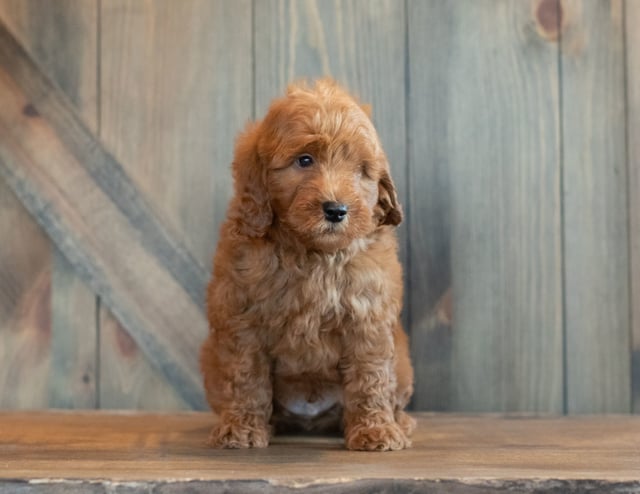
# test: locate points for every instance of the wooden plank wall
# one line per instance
(632, 52)
(595, 207)
(510, 130)
(172, 123)
(489, 163)
(48, 335)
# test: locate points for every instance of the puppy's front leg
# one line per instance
(238, 385)
(369, 382)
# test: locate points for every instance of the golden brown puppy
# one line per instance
(306, 294)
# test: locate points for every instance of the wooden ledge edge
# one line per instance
(396, 486)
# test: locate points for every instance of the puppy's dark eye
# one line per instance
(304, 161)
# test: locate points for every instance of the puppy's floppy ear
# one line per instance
(388, 201)
(250, 208)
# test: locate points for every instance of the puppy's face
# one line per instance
(326, 174)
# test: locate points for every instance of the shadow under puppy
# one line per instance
(305, 299)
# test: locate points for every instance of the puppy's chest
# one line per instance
(309, 299)
(308, 308)
(306, 328)
(312, 300)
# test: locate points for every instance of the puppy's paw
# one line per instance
(377, 437)
(406, 422)
(238, 435)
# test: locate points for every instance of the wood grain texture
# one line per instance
(167, 453)
(176, 87)
(595, 208)
(78, 192)
(61, 36)
(632, 44)
(360, 44)
(127, 379)
(431, 36)
(485, 207)
(25, 282)
(25, 307)
(378, 486)
(73, 374)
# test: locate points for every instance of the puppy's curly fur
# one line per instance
(306, 293)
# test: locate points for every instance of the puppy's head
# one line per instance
(315, 167)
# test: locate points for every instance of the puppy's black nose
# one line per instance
(334, 211)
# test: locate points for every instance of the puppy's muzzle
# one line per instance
(334, 211)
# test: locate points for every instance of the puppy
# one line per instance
(306, 293)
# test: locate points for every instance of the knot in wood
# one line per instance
(548, 18)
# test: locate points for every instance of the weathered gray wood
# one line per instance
(632, 44)
(25, 307)
(361, 44)
(158, 239)
(62, 37)
(451, 454)
(73, 374)
(176, 88)
(386, 486)
(485, 207)
(431, 34)
(83, 199)
(25, 300)
(595, 208)
(128, 379)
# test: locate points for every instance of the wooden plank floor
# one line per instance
(125, 453)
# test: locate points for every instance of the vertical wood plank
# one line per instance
(485, 206)
(62, 38)
(25, 307)
(176, 87)
(131, 381)
(361, 45)
(595, 208)
(632, 44)
(74, 351)
(430, 40)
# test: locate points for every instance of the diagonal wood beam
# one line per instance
(83, 199)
